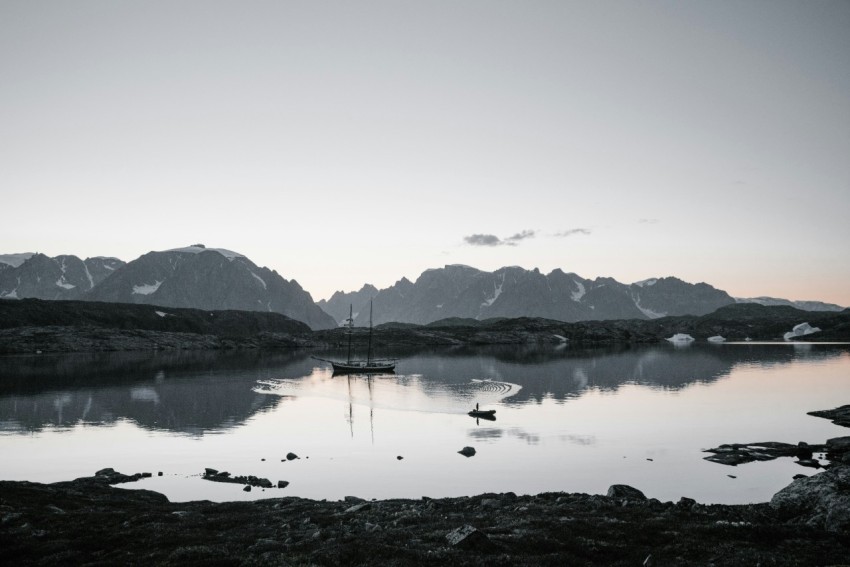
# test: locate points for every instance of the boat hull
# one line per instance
(483, 413)
(340, 367)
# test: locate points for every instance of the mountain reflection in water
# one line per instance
(566, 419)
(200, 392)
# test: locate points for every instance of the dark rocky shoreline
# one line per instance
(88, 521)
(38, 326)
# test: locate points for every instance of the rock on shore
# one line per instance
(87, 521)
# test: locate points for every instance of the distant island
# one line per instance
(34, 325)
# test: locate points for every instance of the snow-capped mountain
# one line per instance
(462, 291)
(42, 277)
(804, 305)
(209, 278)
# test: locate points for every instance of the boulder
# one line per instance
(358, 507)
(291, 456)
(821, 501)
(838, 445)
(685, 502)
(467, 451)
(282, 483)
(626, 492)
(468, 537)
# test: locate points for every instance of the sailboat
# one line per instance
(369, 365)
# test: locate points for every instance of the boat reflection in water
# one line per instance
(369, 365)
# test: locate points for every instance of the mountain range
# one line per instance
(458, 291)
(219, 279)
(465, 292)
(192, 277)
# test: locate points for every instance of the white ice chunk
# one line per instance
(716, 339)
(144, 394)
(680, 338)
(799, 331)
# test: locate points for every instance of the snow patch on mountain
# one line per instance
(577, 295)
(259, 279)
(648, 312)
(146, 289)
(198, 248)
(62, 283)
(10, 295)
(646, 283)
(497, 291)
(88, 275)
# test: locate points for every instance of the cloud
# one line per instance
(572, 231)
(512, 240)
(493, 240)
(483, 240)
(648, 221)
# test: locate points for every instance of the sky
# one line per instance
(341, 143)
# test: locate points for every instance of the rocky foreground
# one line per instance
(89, 522)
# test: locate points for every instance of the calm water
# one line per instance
(567, 420)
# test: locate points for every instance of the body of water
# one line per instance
(566, 420)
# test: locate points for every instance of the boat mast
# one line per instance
(350, 331)
(369, 350)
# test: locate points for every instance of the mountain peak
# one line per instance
(15, 260)
(198, 248)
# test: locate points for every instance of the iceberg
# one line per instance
(680, 338)
(800, 330)
(716, 339)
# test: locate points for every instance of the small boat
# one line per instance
(369, 365)
(490, 413)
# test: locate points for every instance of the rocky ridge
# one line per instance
(89, 521)
(33, 325)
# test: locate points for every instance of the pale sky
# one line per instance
(350, 142)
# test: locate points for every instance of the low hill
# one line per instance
(129, 316)
(31, 325)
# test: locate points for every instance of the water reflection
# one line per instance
(191, 393)
(202, 392)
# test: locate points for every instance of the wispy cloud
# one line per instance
(493, 240)
(648, 221)
(512, 240)
(572, 232)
